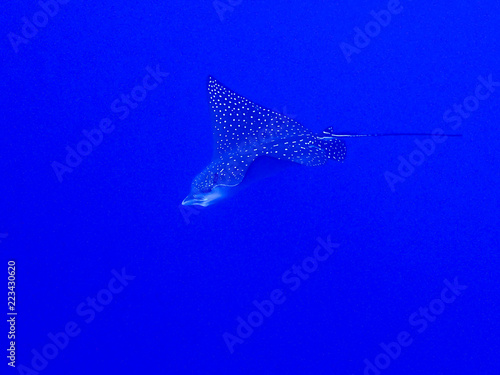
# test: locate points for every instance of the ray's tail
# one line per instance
(328, 132)
(335, 147)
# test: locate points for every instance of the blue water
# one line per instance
(386, 263)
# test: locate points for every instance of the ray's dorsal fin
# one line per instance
(237, 120)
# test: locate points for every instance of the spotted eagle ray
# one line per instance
(244, 130)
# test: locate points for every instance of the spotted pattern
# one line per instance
(244, 130)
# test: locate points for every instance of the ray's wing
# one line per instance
(237, 120)
(302, 150)
(242, 126)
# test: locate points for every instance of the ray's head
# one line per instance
(206, 188)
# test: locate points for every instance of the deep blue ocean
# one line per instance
(386, 263)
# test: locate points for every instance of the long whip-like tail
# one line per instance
(389, 134)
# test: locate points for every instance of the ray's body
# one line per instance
(244, 131)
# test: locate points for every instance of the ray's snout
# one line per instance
(192, 201)
(203, 199)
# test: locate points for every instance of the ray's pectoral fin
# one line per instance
(309, 150)
(303, 152)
